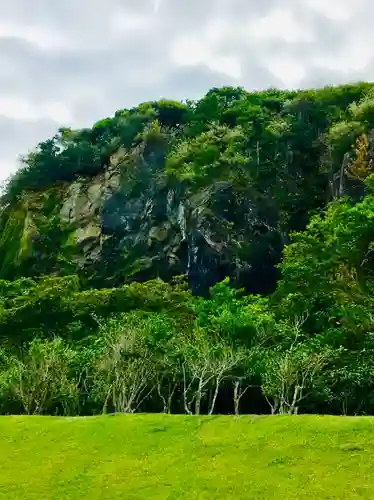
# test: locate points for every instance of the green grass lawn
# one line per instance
(172, 457)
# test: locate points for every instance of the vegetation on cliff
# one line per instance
(197, 257)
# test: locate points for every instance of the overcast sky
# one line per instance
(72, 62)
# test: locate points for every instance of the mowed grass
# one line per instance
(180, 457)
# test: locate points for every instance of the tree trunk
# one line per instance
(218, 381)
(186, 408)
(199, 395)
(198, 402)
(159, 391)
(105, 407)
(236, 397)
(296, 398)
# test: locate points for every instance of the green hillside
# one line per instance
(180, 457)
(206, 257)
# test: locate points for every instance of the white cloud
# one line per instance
(281, 23)
(289, 70)
(192, 50)
(130, 22)
(189, 50)
(75, 62)
(336, 10)
(22, 109)
(44, 38)
(6, 166)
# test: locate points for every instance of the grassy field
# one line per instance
(179, 457)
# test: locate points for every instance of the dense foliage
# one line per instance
(198, 257)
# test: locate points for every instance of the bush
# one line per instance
(41, 378)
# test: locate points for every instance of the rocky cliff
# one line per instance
(109, 235)
(205, 190)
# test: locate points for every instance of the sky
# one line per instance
(73, 62)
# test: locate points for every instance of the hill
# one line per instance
(204, 189)
(177, 457)
(200, 257)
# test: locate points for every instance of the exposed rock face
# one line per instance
(114, 233)
(84, 199)
(165, 232)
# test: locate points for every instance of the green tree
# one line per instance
(41, 379)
